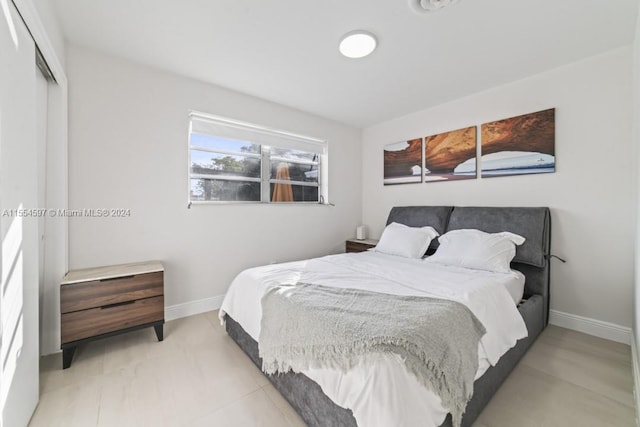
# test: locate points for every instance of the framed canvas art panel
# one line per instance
(451, 155)
(403, 162)
(519, 145)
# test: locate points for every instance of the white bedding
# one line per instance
(379, 391)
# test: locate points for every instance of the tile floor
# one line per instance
(198, 377)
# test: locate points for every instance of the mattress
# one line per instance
(379, 391)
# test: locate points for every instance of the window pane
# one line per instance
(301, 193)
(224, 191)
(236, 161)
(294, 171)
(224, 164)
(294, 154)
(219, 143)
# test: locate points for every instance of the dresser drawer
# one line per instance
(96, 321)
(98, 293)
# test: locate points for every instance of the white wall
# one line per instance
(590, 194)
(636, 142)
(128, 128)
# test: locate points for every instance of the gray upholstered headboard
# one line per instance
(534, 224)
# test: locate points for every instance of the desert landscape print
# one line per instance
(403, 162)
(451, 155)
(519, 145)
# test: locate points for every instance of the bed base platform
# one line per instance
(317, 410)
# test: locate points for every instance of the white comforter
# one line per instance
(379, 391)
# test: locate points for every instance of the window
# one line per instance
(232, 161)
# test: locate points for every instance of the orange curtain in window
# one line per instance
(282, 192)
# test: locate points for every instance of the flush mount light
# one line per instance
(358, 44)
(423, 6)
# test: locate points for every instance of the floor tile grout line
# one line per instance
(603, 358)
(579, 386)
(596, 362)
(238, 399)
(282, 412)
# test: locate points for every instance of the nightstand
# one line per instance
(355, 245)
(104, 301)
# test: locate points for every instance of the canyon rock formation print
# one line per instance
(519, 145)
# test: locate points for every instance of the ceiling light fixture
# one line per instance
(424, 6)
(358, 44)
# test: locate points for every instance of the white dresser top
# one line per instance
(111, 271)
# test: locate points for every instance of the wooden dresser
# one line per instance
(104, 301)
(355, 245)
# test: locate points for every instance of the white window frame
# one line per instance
(266, 138)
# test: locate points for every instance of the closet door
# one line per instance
(18, 225)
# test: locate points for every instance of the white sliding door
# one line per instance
(18, 233)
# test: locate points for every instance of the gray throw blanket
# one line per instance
(312, 326)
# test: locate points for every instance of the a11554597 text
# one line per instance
(67, 213)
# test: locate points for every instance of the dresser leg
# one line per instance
(159, 332)
(67, 356)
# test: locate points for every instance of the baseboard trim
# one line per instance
(190, 308)
(598, 328)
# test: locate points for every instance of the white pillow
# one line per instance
(401, 240)
(477, 249)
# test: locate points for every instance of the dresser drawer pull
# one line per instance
(118, 304)
(117, 278)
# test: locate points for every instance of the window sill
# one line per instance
(224, 203)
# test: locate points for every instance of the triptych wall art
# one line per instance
(515, 146)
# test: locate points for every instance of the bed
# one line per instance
(312, 402)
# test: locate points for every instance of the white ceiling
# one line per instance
(286, 51)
